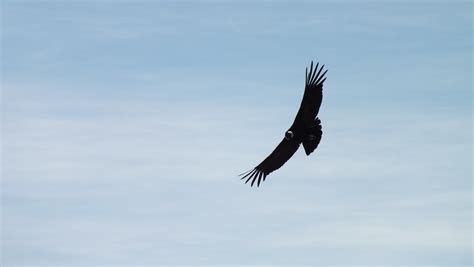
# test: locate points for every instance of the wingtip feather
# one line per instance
(320, 79)
(259, 179)
(250, 173)
(314, 76)
(255, 175)
(306, 76)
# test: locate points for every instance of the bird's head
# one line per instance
(289, 135)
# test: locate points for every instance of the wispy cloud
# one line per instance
(125, 125)
(123, 156)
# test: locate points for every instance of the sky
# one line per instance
(126, 123)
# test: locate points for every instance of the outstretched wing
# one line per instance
(313, 95)
(275, 160)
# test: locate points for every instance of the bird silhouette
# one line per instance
(306, 129)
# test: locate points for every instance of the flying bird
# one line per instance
(305, 129)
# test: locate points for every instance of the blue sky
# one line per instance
(125, 124)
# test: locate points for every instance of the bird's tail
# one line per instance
(312, 137)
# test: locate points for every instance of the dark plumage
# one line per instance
(305, 129)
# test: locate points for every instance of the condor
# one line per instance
(306, 129)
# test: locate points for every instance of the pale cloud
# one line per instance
(122, 141)
(380, 188)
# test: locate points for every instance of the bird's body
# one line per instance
(306, 129)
